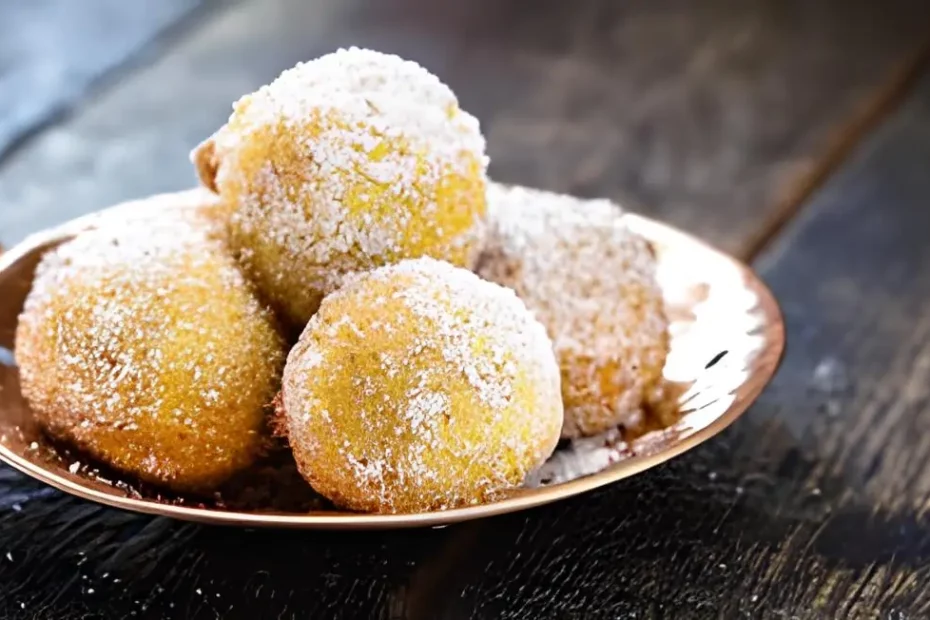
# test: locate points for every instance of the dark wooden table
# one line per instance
(794, 134)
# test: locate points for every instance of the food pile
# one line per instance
(451, 329)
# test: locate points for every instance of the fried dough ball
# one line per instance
(145, 347)
(419, 386)
(591, 281)
(352, 161)
(196, 207)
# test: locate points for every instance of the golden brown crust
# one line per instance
(421, 387)
(591, 281)
(343, 164)
(145, 347)
(204, 160)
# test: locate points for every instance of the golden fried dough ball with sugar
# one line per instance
(591, 281)
(145, 347)
(196, 207)
(345, 163)
(419, 386)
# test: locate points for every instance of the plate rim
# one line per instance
(764, 367)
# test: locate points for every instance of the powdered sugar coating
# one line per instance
(419, 386)
(351, 161)
(142, 343)
(196, 207)
(591, 281)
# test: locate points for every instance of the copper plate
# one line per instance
(727, 340)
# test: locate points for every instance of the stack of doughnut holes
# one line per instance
(449, 330)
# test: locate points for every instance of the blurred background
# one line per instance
(710, 114)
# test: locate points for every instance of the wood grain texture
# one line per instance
(52, 51)
(813, 506)
(702, 114)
